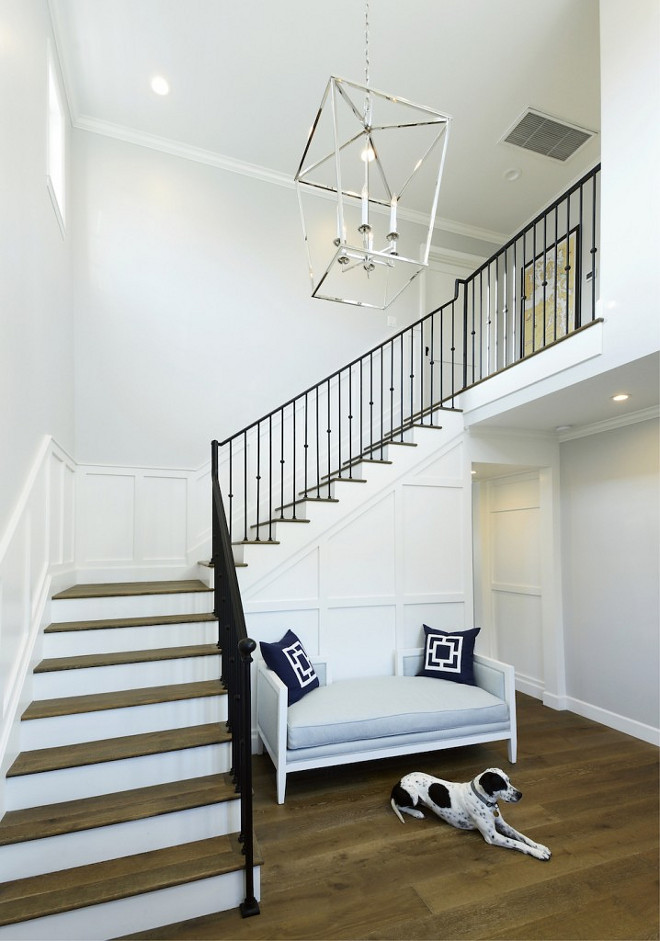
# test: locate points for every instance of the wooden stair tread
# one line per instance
(121, 699)
(154, 620)
(115, 749)
(256, 542)
(35, 823)
(278, 519)
(130, 589)
(83, 661)
(69, 889)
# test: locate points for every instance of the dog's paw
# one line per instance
(542, 852)
(415, 813)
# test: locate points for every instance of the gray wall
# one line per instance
(610, 513)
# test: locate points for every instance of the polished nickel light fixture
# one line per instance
(371, 164)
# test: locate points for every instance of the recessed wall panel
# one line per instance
(162, 518)
(432, 539)
(106, 517)
(359, 560)
(363, 640)
(516, 548)
(519, 632)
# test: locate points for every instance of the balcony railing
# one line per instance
(536, 290)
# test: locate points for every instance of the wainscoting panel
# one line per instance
(105, 519)
(381, 566)
(359, 559)
(147, 522)
(161, 518)
(432, 539)
(518, 617)
(362, 640)
(36, 545)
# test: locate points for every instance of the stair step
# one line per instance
(123, 657)
(131, 589)
(116, 749)
(35, 823)
(121, 699)
(364, 459)
(256, 542)
(153, 621)
(278, 519)
(70, 889)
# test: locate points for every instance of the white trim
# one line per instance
(613, 720)
(610, 424)
(530, 686)
(220, 161)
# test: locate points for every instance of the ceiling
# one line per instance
(571, 409)
(247, 79)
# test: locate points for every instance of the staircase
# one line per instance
(121, 813)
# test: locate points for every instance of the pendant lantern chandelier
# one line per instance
(371, 164)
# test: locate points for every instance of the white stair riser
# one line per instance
(130, 606)
(136, 836)
(57, 683)
(139, 913)
(109, 723)
(52, 787)
(115, 639)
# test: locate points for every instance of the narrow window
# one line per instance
(56, 170)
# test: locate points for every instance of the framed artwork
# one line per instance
(550, 293)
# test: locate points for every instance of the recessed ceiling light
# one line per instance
(513, 174)
(563, 427)
(620, 397)
(160, 85)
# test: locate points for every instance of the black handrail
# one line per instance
(539, 288)
(237, 649)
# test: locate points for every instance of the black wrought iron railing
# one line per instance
(237, 649)
(538, 289)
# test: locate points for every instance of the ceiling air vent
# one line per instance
(545, 135)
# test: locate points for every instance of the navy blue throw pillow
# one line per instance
(288, 659)
(449, 656)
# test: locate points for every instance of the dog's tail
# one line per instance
(396, 791)
(396, 810)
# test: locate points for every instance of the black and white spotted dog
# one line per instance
(469, 806)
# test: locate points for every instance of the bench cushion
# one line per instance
(383, 706)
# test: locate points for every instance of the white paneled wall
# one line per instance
(36, 546)
(513, 602)
(380, 571)
(75, 523)
(140, 522)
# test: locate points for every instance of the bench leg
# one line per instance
(512, 746)
(281, 784)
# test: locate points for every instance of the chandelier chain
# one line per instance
(366, 43)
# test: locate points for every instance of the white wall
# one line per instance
(511, 574)
(610, 513)
(193, 314)
(630, 155)
(36, 324)
(392, 562)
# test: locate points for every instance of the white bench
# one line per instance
(378, 717)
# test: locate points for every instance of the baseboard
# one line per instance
(529, 686)
(613, 720)
(647, 733)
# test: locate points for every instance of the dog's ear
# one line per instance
(492, 781)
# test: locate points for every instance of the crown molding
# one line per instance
(610, 424)
(221, 162)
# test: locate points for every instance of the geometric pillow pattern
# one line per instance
(288, 658)
(449, 655)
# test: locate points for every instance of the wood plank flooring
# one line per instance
(339, 865)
